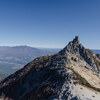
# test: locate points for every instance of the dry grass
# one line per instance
(79, 79)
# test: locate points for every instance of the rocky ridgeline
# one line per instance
(74, 47)
(47, 74)
(46, 78)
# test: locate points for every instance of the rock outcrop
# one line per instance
(74, 47)
(50, 77)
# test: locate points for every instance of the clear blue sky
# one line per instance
(49, 23)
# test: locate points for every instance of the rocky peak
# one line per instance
(76, 48)
(72, 47)
(76, 40)
(49, 77)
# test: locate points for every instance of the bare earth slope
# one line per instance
(68, 75)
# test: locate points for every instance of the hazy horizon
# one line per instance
(28, 46)
(40, 47)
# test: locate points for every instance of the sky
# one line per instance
(49, 23)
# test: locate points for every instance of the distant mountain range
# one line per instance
(24, 51)
(14, 58)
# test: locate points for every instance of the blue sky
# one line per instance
(49, 23)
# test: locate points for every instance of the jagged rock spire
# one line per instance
(76, 40)
(72, 46)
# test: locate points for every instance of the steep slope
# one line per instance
(56, 77)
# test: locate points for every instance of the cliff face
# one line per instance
(54, 77)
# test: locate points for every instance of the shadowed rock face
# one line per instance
(45, 78)
(98, 55)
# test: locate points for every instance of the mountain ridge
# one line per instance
(54, 76)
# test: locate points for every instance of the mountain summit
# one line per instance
(76, 48)
(76, 40)
(70, 74)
